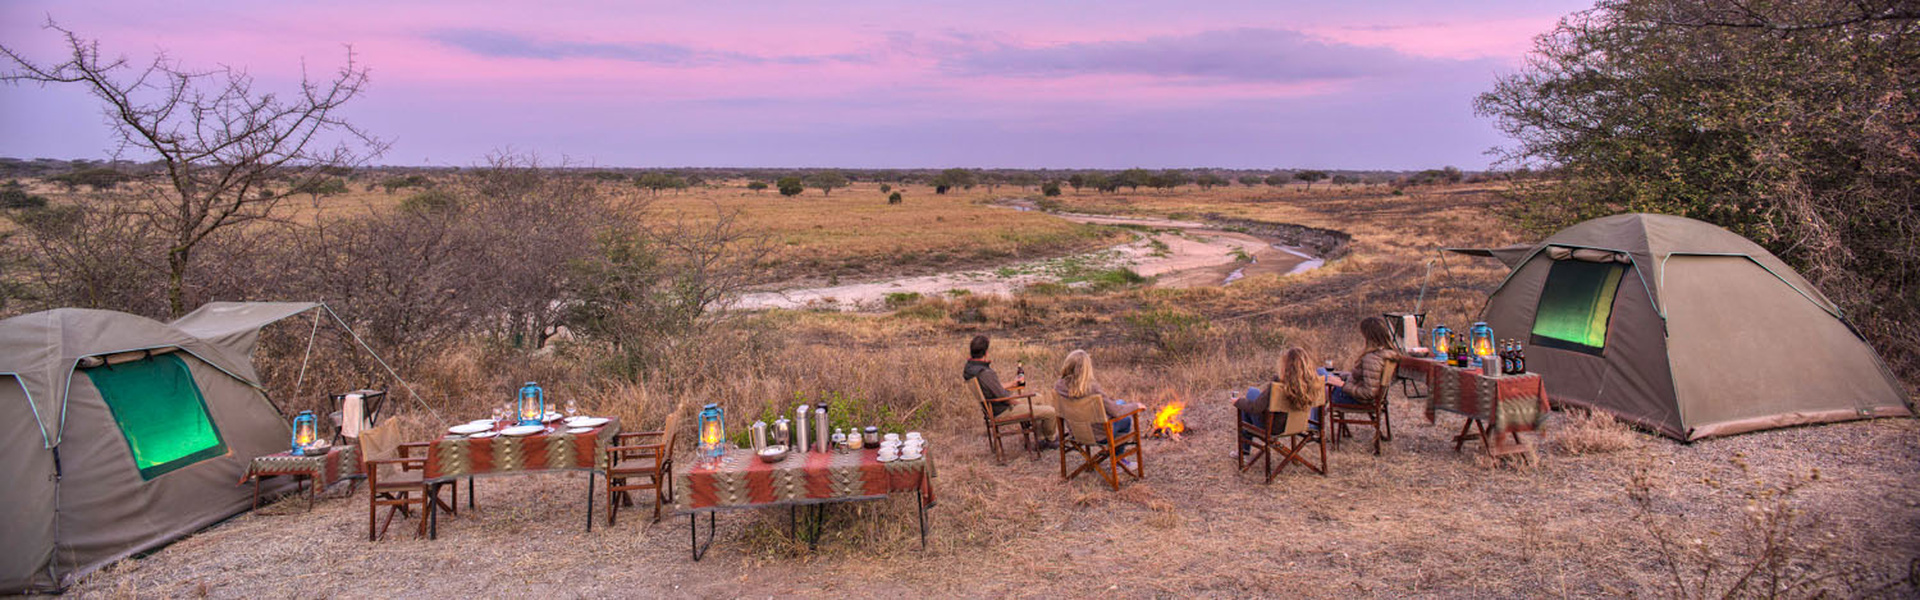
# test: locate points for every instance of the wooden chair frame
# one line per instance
(1110, 451)
(1263, 442)
(653, 450)
(398, 497)
(1376, 413)
(996, 425)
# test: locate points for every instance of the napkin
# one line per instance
(1409, 332)
(352, 415)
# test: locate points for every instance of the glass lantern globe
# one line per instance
(531, 406)
(305, 433)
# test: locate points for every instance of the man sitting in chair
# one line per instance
(980, 368)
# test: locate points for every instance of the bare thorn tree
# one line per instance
(220, 144)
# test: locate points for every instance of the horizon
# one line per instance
(855, 85)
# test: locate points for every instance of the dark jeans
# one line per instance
(1339, 394)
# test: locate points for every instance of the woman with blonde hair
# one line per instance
(1076, 382)
(1295, 387)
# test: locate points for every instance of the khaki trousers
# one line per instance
(1044, 424)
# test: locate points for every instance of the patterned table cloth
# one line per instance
(740, 479)
(1506, 404)
(338, 463)
(454, 456)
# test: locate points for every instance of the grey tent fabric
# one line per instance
(1709, 334)
(101, 508)
(1511, 256)
(235, 326)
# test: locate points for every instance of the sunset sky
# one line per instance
(980, 83)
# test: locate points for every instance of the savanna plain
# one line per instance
(1594, 510)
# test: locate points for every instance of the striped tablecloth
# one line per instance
(455, 456)
(740, 479)
(337, 463)
(1507, 404)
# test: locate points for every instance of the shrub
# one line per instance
(1050, 189)
(884, 188)
(1172, 332)
(896, 300)
(894, 199)
(791, 186)
(1592, 431)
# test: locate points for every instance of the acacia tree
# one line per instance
(218, 141)
(825, 181)
(1310, 177)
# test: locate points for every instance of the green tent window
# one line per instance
(160, 412)
(1576, 304)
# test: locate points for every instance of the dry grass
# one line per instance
(1420, 520)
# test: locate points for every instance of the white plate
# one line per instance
(483, 435)
(550, 417)
(470, 428)
(589, 421)
(579, 430)
(886, 459)
(911, 456)
(523, 430)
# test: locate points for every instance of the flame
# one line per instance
(1483, 347)
(712, 434)
(1167, 419)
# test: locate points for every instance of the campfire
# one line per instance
(1166, 421)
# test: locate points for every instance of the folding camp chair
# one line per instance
(1285, 433)
(1086, 430)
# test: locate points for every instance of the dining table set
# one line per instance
(505, 447)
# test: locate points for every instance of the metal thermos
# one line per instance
(801, 433)
(781, 433)
(759, 435)
(821, 442)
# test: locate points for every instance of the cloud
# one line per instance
(501, 44)
(1237, 55)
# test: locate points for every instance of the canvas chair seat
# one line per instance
(1087, 431)
(642, 461)
(996, 425)
(1296, 430)
(1373, 414)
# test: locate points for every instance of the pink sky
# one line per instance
(982, 83)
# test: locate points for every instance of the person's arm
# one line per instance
(1251, 404)
(990, 384)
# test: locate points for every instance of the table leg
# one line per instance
(256, 492)
(590, 481)
(313, 490)
(693, 534)
(431, 512)
(920, 501)
(469, 494)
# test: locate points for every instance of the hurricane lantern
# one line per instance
(1440, 337)
(304, 433)
(1482, 339)
(713, 429)
(532, 405)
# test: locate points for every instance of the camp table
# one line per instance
(1496, 407)
(739, 480)
(455, 456)
(319, 470)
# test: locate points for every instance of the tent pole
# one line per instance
(383, 364)
(299, 383)
(1417, 303)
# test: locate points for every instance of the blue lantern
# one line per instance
(532, 406)
(713, 429)
(1440, 336)
(1480, 343)
(304, 433)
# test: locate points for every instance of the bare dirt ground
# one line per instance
(1418, 520)
(1177, 253)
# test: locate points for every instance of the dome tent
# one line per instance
(1684, 328)
(119, 433)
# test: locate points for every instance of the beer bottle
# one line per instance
(1506, 357)
(1520, 359)
(1020, 373)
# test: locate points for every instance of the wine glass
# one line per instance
(573, 409)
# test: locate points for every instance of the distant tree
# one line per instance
(1077, 180)
(884, 188)
(790, 186)
(215, 138)
(757, 186)
(1169, 179)
(1310, 176)
(607, 175)
(826, 181)
(654, 182)
(1345, 180)
(894, 198)
(1277, 180)
(1103, 183)
(15, 195)
(955, 178)
(97, 179)
(1050, 189)
(1208, 180)
(320, 188)
(396, 183)
(1252, 180)
(1132, 179)
(940, 189)
(1024, 179)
